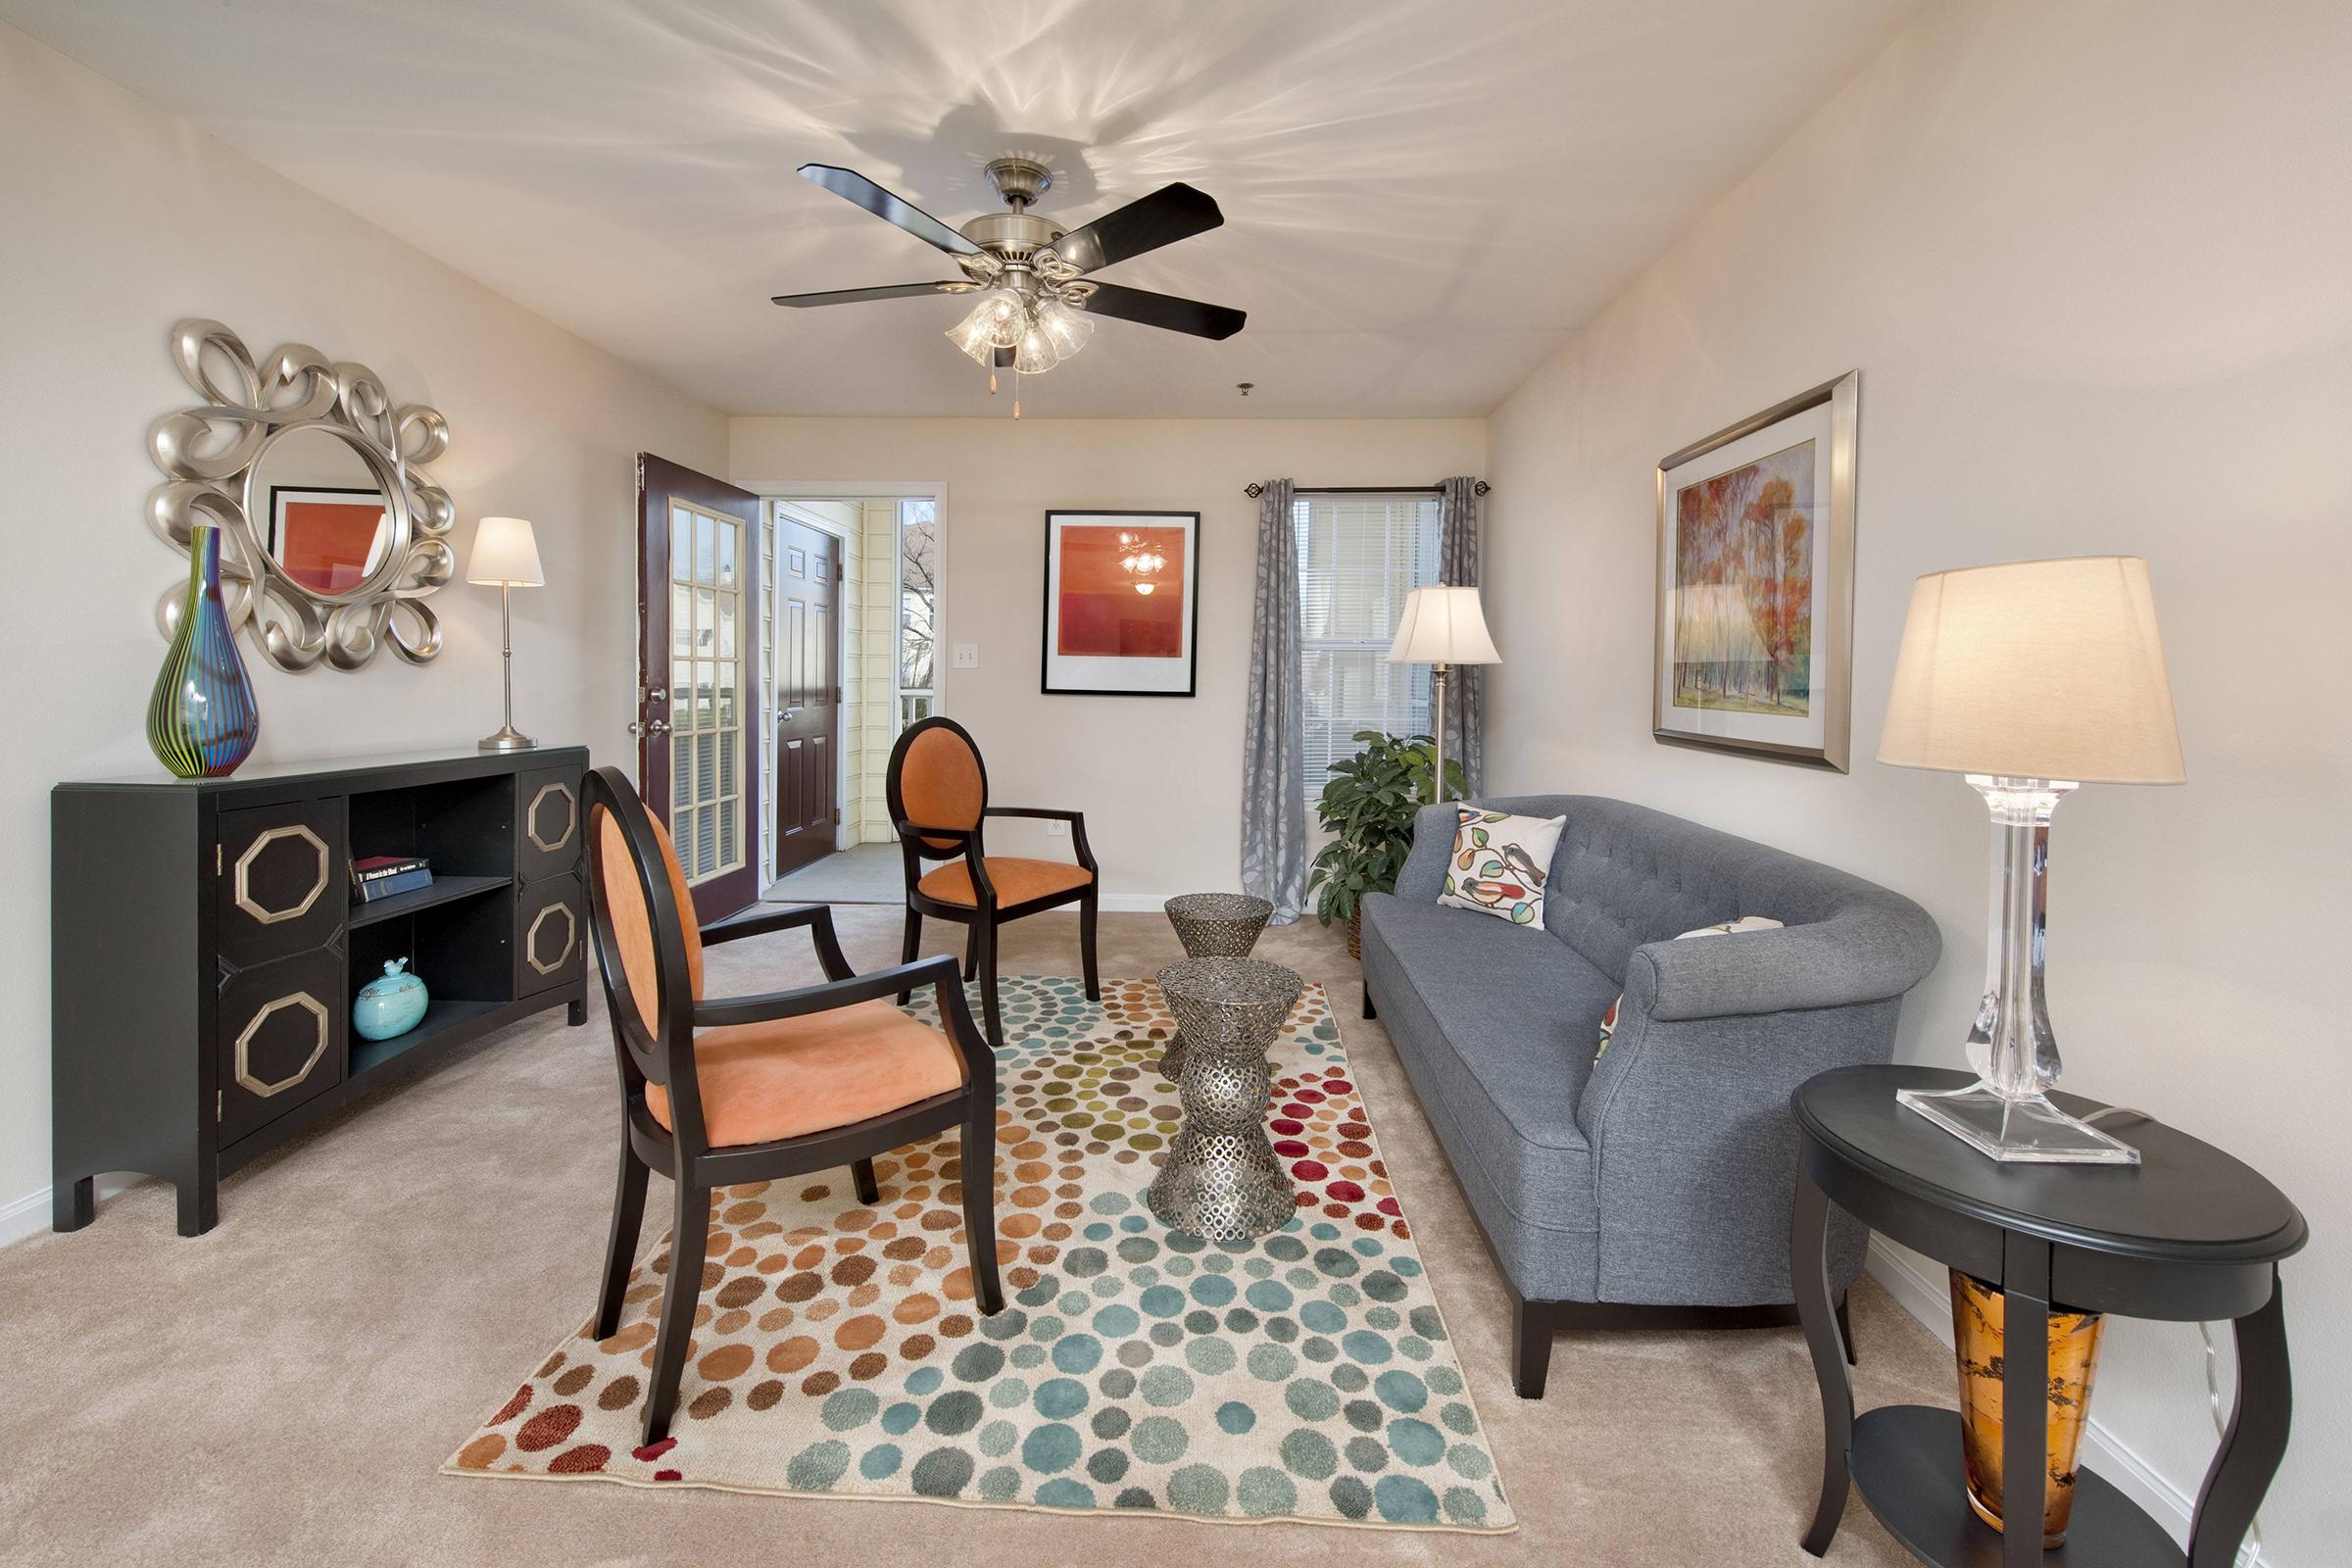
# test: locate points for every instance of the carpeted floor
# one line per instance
(285, 1389)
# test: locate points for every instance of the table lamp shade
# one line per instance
(2036, 669)
(1443, 626)
(505, 553)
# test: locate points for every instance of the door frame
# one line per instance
(771, 491)
(717, 898)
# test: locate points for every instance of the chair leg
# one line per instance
(971, 951)
(980, 1202)
(912, 948)
(991, 1016)
(689, 1236)
(1533, 1362)
(869, 1191)
(620, 1248)
(1086, 948)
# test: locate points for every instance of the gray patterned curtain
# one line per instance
(1466, 684)
(1274, 741)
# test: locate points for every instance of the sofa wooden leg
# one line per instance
(1370, 1011)
(1533, 1362)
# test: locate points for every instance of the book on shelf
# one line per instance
(381, 877)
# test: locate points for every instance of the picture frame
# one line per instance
(1754, 643)
(327, 538)
(1122, 608)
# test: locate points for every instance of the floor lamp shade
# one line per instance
(2045, 670)
(506, 554)
(1441, 626)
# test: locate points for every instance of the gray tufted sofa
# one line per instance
(1654, 1188)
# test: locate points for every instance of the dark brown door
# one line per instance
(698, 737)
(808, 568)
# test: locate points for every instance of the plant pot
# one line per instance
(1356, 935)
(1977, 1335)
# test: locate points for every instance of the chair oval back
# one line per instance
(936, 779)
(648, 947)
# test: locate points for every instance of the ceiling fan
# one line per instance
(1032, 277)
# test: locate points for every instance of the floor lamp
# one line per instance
(1442, 627)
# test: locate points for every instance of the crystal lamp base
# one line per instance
(2031, 1131)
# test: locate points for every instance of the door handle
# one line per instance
(652, 726)
(658, 694)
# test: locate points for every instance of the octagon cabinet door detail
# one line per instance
(283, 885)
(548, 823)
(555, 935)
(284, 1034)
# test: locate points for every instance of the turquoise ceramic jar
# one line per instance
(391, 1006)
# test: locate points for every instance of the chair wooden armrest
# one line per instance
(1077, 820)
(817, 917)
(802, 1001)
(967, 845)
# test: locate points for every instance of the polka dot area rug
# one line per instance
(1305, 1376)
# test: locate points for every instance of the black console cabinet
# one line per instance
(207, 949)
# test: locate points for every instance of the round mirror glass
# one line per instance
(319, 510)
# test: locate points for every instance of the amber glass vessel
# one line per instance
(1977, 1312)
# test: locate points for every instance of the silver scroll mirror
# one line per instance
(332, 535)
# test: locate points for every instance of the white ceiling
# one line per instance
(1421, 201)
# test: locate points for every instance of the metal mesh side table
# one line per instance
(1212, 925)
(1220, 1179)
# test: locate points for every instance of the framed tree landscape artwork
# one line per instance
(1756, 583)
(1122, 606)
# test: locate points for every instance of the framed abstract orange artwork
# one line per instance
(328, 539)
(1122, 608)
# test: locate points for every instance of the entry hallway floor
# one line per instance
(283, 1390)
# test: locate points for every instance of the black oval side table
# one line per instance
(2187, 1234)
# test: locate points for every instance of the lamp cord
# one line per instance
(2219, 1407)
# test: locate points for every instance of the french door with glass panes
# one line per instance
(698, 722)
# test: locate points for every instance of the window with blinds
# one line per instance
(1358, 557)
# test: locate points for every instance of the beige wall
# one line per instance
(118, 221)
(1159, 778)
(2094, 264)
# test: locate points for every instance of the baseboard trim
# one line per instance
(30, 1216)
(1930, 1299)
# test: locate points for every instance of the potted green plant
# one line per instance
(1368, 807)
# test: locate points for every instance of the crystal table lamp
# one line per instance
(1442, 627)
(506, 557)
(2030, 678)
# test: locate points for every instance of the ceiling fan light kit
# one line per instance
(1037, 300)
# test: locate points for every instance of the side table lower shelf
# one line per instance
(1906, 1464)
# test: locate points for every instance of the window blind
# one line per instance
(1358, 557)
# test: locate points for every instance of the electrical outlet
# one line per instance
(968, 655)
(1056, 829)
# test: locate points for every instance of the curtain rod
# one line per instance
(1254, 491)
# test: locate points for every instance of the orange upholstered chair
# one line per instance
(757, 1087)
(937, 793)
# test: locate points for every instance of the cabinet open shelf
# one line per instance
(440, 1017)
(444, 890)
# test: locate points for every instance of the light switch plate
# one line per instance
(968, 655)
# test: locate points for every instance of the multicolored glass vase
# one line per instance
(1978, 1310)
(202, 719)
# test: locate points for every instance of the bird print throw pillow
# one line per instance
(1499, 862)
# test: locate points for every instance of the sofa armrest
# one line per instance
(1866, 954)
(1424, 872)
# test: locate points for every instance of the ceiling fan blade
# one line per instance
(1164, 310)
(888, 291)
(1166, 216)
(852, 186)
